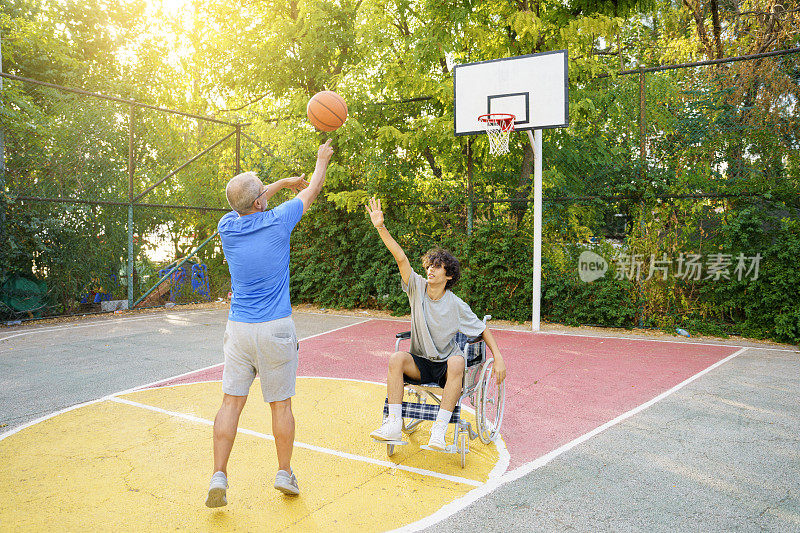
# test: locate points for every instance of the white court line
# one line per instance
(504, 457)
(476, 494)
(311, 447)
(492, 484)
(132, 389)
(568, 334)
(675, 341)
(50, 415)
(153, 384)
(101, 323)
(336, 329)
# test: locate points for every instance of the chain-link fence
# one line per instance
(107, 196)
(679, 178)
(721, 131)
(672, 199)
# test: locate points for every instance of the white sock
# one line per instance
(396, 410)
(443, 417)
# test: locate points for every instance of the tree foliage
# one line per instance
(728, 130)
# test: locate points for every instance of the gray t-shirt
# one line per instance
(434, 323)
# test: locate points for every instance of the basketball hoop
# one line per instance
(498, 128)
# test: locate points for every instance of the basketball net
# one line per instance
(498, 128)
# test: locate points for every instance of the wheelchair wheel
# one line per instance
(390, 450)
(491, 405)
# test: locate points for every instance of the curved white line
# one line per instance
(132, 389)
(503, 459)
(50, 415)
(170, 385)
(500, 466)
(167, 380)
(492, 485)
(312, 447)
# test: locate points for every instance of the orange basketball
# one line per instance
(326, 110)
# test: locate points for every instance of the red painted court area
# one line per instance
(558, 388)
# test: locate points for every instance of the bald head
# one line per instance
(242, 191)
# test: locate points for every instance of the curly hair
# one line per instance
(441, 257)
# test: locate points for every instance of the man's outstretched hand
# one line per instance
(375, 214)
(296, 183)
(325, 151)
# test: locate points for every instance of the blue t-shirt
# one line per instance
(256, 247)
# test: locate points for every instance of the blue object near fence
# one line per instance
(95, 297)
(176, 280)
(102, 297)
(200, 283)
(98, 294)
(197, 279)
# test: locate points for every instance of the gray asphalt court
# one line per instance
(720, 454)
(47, 368)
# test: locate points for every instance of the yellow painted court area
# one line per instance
(143, 461)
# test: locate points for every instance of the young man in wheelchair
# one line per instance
(436, 316)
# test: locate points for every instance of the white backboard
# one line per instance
(534, 88)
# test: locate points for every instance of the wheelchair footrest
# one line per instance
(450, 448)
(422, 411)
(393, 442)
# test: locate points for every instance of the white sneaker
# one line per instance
(438, 432)
(391, 429)
(216, 490)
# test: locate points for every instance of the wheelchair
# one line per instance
(484, 394)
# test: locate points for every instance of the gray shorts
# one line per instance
(268, 349)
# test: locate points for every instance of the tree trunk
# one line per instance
(436, 169)
(717, 27)
(699, 19)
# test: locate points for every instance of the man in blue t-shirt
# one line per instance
(260, 337)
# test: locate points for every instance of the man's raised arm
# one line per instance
(295, 183)
(310, 193)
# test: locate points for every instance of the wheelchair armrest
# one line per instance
(403, 335)
(473, 340)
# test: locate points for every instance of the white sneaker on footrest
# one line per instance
(390, 430)
(438, 432)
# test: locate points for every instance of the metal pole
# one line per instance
(113, 99)
(130, 208)
(2, 154)
(642, 107)
(238, 149)
(470, 190)
(535, 139)
(186, 164)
